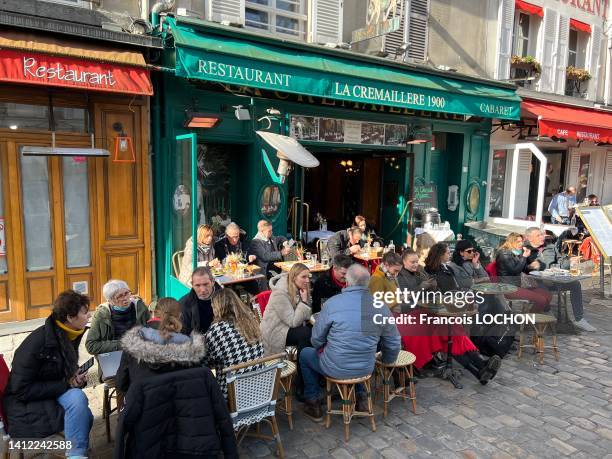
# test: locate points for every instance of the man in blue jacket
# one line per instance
(345, 338)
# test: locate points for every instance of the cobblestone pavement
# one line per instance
(529, 410)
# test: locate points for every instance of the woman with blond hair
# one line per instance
(148, 351)
(233, 337)
(287, 312)
(205, 250)
(511, 261)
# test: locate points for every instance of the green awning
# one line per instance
(237, 60)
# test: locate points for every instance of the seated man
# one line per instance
(197, 313)
(231, 243)
(331, 283)
(44, 395)
(345, 242)
(267, 248)
(542, 256)
(345, 339)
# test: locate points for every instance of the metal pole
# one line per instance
(411, 193)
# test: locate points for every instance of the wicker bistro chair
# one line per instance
(403, 368)
(252, 391)
(347, 388)
(288, 373)
(177, 260)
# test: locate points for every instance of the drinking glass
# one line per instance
(313, 257)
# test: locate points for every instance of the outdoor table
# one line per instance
(494, 288)
(366, 257)
(228, 279)
(558, 281)
(109, 364)
(286, 266)
(451, 374)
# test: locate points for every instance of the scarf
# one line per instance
(71, 333)
(336, 281)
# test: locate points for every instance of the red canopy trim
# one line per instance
(569, 122)
(580, 26)
(529, 8)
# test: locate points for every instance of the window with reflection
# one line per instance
(500, 183)
(270, 201)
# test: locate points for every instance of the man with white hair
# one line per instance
(112, 319)
(346, 335)
(267, 248)
(232, 242)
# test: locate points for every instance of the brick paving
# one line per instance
(528, 411)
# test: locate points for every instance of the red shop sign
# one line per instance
(43, 69)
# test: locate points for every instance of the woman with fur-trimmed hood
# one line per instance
(149, 351)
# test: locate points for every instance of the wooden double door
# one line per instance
(72, 222)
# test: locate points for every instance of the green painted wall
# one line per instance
(249, 174)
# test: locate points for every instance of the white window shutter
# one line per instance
(327, 21)
(593, 63)
(521, 200)
(574, 168)
(548, 49)
(562, 54)
(606, 196)
(504, 39)
(396, 39)
(418, 17)
(229, 11)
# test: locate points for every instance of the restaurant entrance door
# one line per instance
(343, 186)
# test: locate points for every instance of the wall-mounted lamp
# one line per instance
(124, 149)
(200, 120)
(241, 113)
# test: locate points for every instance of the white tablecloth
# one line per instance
(439, 235)
(312, 235)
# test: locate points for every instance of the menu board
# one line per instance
(425, 197)
(599, 224)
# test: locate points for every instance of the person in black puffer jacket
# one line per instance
(44, 395)
(330, 283)
(158, 347)
(178, 415)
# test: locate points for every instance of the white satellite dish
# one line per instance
(289, 149)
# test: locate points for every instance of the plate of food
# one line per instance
(218, 272)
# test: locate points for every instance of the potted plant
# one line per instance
(580, 75)
(527, 63)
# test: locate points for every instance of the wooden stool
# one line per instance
(542, 322)
(286, 381)
(403, 367)
(346, 389)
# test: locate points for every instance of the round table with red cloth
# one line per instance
(423, 339)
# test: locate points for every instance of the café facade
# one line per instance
(74, 168)
(377, 128)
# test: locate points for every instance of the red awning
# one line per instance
(569, 122)
(529, 8)
(579, 25)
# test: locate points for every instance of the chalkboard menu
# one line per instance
(599, 226)
(425, 197)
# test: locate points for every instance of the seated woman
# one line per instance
(149, 351)
(424, 340)
(206, 253)
(412, 277)
(422, 243)
(511, 261)
(233, 337)
(285, 321)
(44, 395)
(384, 278)
(465, 265)
(112, 319)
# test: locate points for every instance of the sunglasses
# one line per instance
(469, 250)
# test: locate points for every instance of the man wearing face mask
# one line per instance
(384, 278)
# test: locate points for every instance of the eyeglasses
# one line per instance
(469, 250)
(125, 294)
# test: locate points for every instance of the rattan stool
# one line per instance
(542, 322)
(403, 367)
(346, 389)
